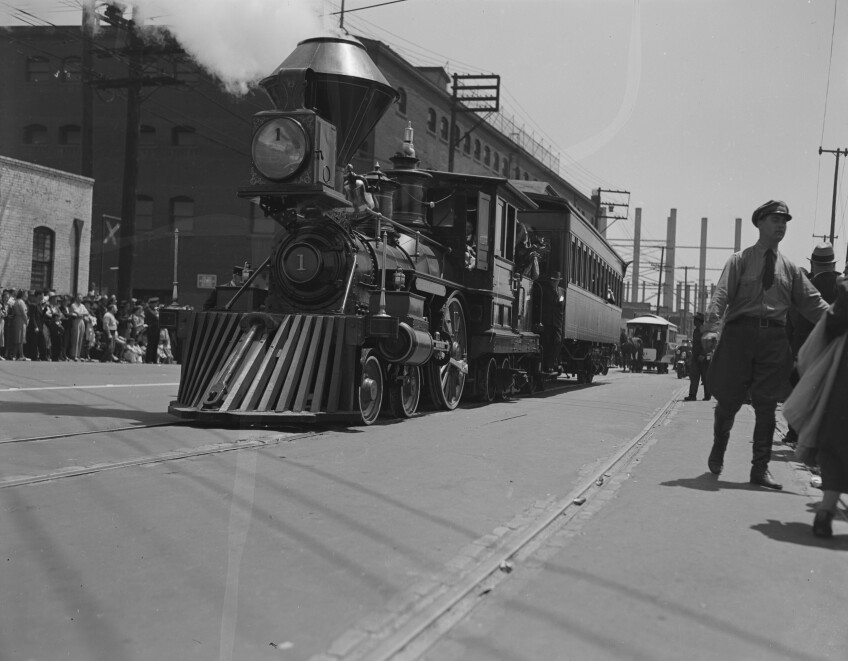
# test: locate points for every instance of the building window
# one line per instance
(70, 135)
(506, 167)
(182, 214)
(487, 156)
(401, 102)
(477, 147)
(43, 239)
(37, 69)
(35, 134)
(183, 136)
(443, 129)
(517, 172)
(147, 136)
(143, 213)
(526, 177)
(466, 144)
(496, 165)
(71, 71)
(431, 120)
(187, 72)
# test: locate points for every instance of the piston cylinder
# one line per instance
(410, 347)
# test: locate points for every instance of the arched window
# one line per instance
(526, 177)
(487, 156)
(70, 134)
(37, 69)
(517, 172)
(466, 144)
(147, 136)
(443, 128)
(183, 136)
(35, 134)
(144, 213)
(456, 136)
(71, 71)
(496, 165)
(506, 167)
(477, 148)
(431, 120)
(43, 240)
(182, 214)
(401, 102)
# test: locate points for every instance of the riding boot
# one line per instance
(763, 436)
(722, 424)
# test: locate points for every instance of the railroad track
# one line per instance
(436, 605)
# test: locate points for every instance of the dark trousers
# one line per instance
(698, 375)
(755, 360)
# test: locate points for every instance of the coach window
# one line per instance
(182, 214)
(35, 134)
(143, 213)
(573, 266)
(43, 239)
(401, 102)
(37, 69)
(70, 135)
(431, 120)
(182, 136)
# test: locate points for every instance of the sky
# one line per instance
(709, 107)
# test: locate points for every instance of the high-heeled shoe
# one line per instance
(822, 524)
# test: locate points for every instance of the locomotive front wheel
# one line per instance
(370, 390)
(404, 386)
(447, 381)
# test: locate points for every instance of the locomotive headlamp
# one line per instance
(400, 279)
(280, 148)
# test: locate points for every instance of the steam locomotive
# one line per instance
(395, 286)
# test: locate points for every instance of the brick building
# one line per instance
(45, 227)
(195, 150)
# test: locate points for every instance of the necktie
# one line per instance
(768, 270)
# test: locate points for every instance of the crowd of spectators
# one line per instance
(44, 325)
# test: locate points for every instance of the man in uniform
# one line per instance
(698, 363)
(757, 288)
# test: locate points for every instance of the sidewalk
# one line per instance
(671, 562)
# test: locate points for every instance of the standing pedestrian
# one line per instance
(817, 408)
(151, 330)
(756, 289)
(698, 363)
(18, 321)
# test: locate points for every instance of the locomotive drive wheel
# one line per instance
(487, 385)
(446, 378)
(370, 390)
(404, 388)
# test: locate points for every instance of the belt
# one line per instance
(761, 322)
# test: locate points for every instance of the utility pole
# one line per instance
(133, 83)
(659, 283)
(838, 152)
(87, 132)
(479, 98)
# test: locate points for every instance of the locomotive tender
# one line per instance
(396, 284)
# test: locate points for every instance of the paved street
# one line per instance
(154, 541)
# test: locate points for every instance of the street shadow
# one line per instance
(81, 411)
(796, 532)
(709, 482)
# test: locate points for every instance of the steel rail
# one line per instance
(175, 455)
(395, 645)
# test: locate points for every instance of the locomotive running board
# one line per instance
(251, 369)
